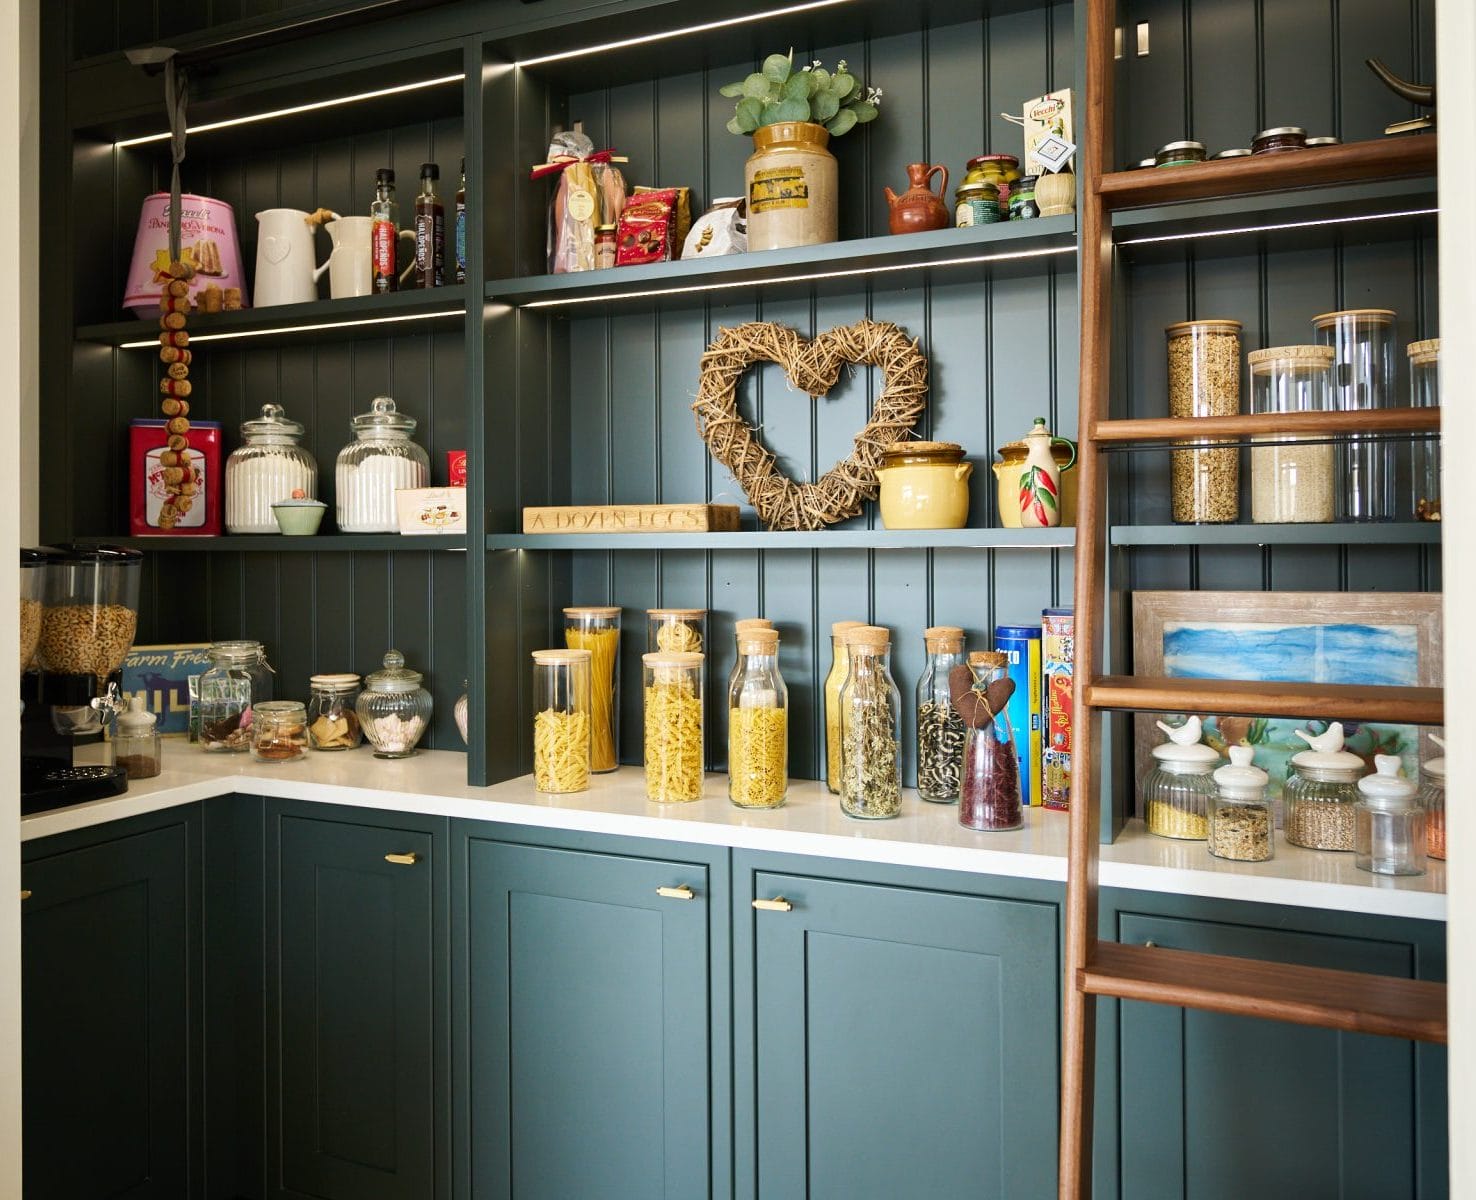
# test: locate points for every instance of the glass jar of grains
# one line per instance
(394, 710)
(758, 729)
(1424, 392)
(597, 630)
(332, 722)
(1240, 822)
(840, 666)
(561, 727)
(1177, 790)
(1291, 480)
(1390, 839)
(871, 723)
(1204, 381)
(278, 731)
(1363, 345)
(1432, 800)
(940, 730)
(673, 719)
(1321, 790)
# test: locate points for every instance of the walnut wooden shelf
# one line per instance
(1304, 424)
(1321, 701)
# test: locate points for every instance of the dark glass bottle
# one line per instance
(461, 227)
(385, 232)
(430, 231)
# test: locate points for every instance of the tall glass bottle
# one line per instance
(871, 721)
(839, 668)
(940, 730)
(598, 631)
(758, 731)
(461, 226)
(385, 232)
(990, 795)
(430, 231)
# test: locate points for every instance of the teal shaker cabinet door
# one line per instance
(106, 951)
(905, 1042)
(586, 1025)
(354, 951)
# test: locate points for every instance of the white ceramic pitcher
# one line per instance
(285, 273)
(351, 264)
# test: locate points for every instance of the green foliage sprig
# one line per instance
(836, 99)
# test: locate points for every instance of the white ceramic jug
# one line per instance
(1040, 479)
(285, 273)
(351, 265)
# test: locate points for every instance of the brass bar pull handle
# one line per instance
(777, 904)
(402, 860)
(25, 893)
(680, 892)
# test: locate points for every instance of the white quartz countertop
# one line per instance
(925, 835)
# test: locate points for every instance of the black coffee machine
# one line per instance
(79, 614)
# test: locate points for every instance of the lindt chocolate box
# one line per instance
(455, 468)
(147, 440)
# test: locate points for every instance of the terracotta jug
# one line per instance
(919, 209)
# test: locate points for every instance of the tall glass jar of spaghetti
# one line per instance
(597, 629)
(561, 703)
(758, 730)
(673, 713)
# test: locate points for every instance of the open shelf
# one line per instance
(1381, 533)
(325, 320)
(820, 539)
(801, 267)
(1345, 1000)
(1235, 697)
(269, 543)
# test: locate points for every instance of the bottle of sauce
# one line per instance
(461, 227)
(384, 234)
(430, 231)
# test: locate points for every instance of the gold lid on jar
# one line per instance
(902, 453)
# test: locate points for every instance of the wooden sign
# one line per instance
(632, 518)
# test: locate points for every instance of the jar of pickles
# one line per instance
(1204, 381)
(597, 630)
(332, 722)
(1240, 820)
(1176, 792)
(676, 630)
(940, 730)
(673, 719)
(1391, 824)
(840, 662)
(976, 204)
(1424, 392)
(1321, 790)
(758, 730)
(238, 678)
(278, 731)
(1291, 479)
(1432, 800)
(394, 710)
(1001, 171)
(561, 726)
(871, 723)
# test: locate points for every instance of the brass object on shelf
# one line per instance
(402, 860)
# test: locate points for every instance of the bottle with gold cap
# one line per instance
(940, 730)
(839, 667)
(871, 720)
(758, 730)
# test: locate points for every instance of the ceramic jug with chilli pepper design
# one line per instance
(1040, 479)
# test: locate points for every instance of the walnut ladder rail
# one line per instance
(1342, 1000)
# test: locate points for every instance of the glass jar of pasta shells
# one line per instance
(597, 629)
(1204, 381)
(561, 725)
(1241, 827)
(840, 666)
(940, 730)
(673, 719)
(1177, 790)
(758, 731)
(871, 720)
(1320, 792)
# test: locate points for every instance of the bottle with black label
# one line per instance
(430, 231)
(384, 232)
(461, 227)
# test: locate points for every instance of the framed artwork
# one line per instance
(1381, 639)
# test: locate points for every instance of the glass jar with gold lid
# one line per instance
(924, 485)
(1002, 170)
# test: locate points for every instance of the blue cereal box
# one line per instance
(1021, 645)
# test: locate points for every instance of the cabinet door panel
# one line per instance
(105, 949)
(588, 1015)
(906, 1043)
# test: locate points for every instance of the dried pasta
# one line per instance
(758, 753)
(561, 751)
(673, 742)
(603, 646)
(679, 637)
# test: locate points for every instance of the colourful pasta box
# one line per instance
(1021, 643)
(1058, 652)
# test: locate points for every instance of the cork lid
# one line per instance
(752, 623)
(989, 658)
(592, 611)
(1426, 351)
(1377, 316)
(1207, 325)
(759, 641)
(679, 614)
(551, 658)
(840, 628)
(1307, 357)
(672, 659)
(943, 632)
(908, 451)
(869, 638)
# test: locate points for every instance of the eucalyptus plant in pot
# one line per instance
(791, 176)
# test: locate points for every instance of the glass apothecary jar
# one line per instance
(840, 666)
(1432, 800)
(1364, 368)
(279, 731)
(1291, 480)
(1241, 824)
(561, 724)
(1391, 823)
(270, 466)
(990, 795)
(871, 723)
(394, 710)
(673, 719)
(676, 630)
(380, 461)
(940, 730)
(333, 719)
(1424, 392)
(136, 745)
(1320, 792)
(1204, 381)
(238, 678)
(1177, 790)
(597, 630)
(758, 724)
(461, 714)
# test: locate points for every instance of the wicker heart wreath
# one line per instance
(813, 367)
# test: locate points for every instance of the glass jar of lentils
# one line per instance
(1204, 381)
(940, 730)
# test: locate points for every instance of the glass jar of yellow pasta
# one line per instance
(758, 729)
(561, 724)
(840, 662)
(673, 695)
(676, 630)
(597, 630)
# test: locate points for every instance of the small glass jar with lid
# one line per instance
(333, 720)
(238, 678)
(1204, 381)
(279, 731)
(380, 461)
(136, 746)
(1002, 171)
(1241, 825)
(1291, 479)
(270, 466)
(1320, 792)
(1363, 378)
(676, 630)
(1391, 823)
(1176, 792)
(561, 702)
(990, 798)
(1279, 140)
(1023, 205)
(1179, 154)
(1424, 392)
(871, 723)
(394, 710)
(840, 667)
(758, 724)
(976, 204)
(940, 730)
(597, 629)
(1432, 800)
(673, 726)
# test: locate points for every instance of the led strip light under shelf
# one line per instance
(314, 327)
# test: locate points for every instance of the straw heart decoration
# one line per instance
(813, 366)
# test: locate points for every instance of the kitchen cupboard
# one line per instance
(109, 940)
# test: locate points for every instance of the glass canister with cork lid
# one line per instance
(840, 665)
(871, 722)
(1320, 792)
(940, 731)
(1176, 792)
(1390, 837)
(1362, 340)
(1241, 826)
(561, 720)
(673, 726)
(676, 630)
(597, 629)
(271, 465)
(1291, 480)
(1432, 800)
(380, 461)
(1204, 381)
(1424, 392)
(758, 729)
(333, 722)
(394, 710)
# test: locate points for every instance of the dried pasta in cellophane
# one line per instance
(561, 751)
(758, 758)
(673, 740)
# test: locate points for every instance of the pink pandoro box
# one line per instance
(207, 241)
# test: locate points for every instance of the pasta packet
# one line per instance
(590, 192)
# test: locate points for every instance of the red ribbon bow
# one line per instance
(556, 167)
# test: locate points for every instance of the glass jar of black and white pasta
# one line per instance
(940, 730)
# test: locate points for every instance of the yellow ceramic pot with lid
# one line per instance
(1007, 480)
(924, 485)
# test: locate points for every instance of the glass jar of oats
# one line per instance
(1204, 381)
(1291, 480)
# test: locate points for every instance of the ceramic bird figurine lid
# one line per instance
(1240, 779)
(1184, 746)
(1386, 788)
(1325, 752)
(1435, 767)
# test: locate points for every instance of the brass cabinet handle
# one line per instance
(402, 860)
(680, 892)
(777, 904)
(25, 893)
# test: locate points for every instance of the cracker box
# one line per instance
(1058, 651)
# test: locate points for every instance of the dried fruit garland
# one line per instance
(174, 353)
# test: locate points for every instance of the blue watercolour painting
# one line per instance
(1375, 655)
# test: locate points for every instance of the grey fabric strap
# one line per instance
(176, 85)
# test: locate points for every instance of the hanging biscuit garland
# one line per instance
(174, 353)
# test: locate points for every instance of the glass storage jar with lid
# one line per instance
(1391, 823)
(1176, 791)
(1363, 378)
(1002, 171)
(279, 731)
(394, 710)
(840, 667)
(271, 465)
(758, 724)
(940, 730)
(561, 720)
(597, 630)
(1179, 154)
(136, 741)
(380, 461)
(871, 723)
(32, 602)
(1424, 392)
(676, 630)
(1320, 792)
(1291, 480)
(238, 678)
(1240, 822)
(1432, 800)
(673, 718)
(1204, 381)
(333, 723)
